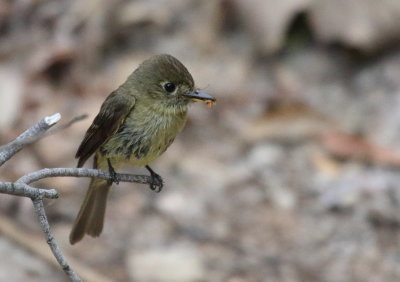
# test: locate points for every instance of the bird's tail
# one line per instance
(91, 215)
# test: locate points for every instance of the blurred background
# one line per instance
(292, 176)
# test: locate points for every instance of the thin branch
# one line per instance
(21, 187)
(29, 136)
(44, 224)
(82, 172)
(66, 125)
(15, 232)
(24, 190)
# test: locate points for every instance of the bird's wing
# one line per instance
(112, 114)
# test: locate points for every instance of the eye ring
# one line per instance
(169, 87)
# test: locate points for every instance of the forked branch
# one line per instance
(22, 188)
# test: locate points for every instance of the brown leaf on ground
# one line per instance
(356, 147)
(286, 120)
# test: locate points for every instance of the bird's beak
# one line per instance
(201, 96)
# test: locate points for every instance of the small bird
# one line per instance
(136, 124)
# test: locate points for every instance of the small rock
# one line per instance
(174, 264)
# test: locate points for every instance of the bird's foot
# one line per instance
(157, 182)
(114, 175)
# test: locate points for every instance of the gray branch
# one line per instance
(21, 187)
(82, 172)
(44, 224)
(64, 126)
(29, 136)
(24, 190)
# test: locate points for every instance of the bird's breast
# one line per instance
(143, 138)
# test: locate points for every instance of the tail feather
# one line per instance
(91, 215)
(96, 219)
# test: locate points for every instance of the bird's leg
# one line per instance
(114, 176)
(156, 180)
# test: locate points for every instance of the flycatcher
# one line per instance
(135, 125)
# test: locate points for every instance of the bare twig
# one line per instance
(14, 232)
(44, 223)
(21, 187)
(81, 172)
(29, 136)
(66, 125)
(41, 161)
(24, 190)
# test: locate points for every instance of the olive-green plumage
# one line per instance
(136, 124)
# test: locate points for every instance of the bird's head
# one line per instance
(164, 80)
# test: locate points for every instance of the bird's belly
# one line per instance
(148, 151)
(140, 145)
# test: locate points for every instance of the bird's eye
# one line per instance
(169, 87)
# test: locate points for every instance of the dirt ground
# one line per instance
(292, 176)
